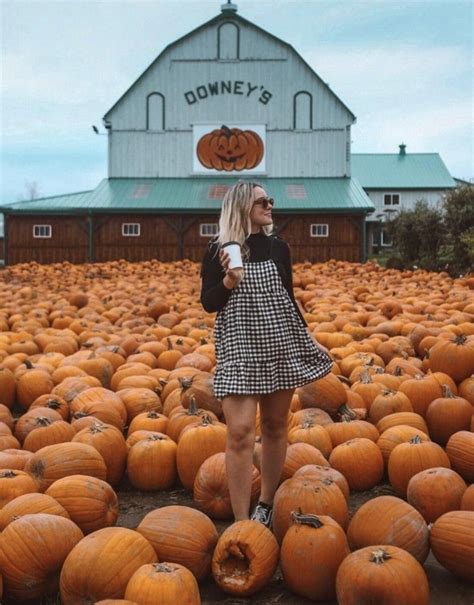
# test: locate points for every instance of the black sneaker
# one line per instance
(263, 514)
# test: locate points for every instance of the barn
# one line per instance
(228, 100)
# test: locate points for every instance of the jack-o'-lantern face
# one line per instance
(230, 149)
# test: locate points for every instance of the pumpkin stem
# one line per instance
(347, 411)
(379, 556)
(152, 414)
(387, 392)
(185, 382)
(365, 377)
(308, 424)
(43, 421)
(415, 439)
(28, 364)
(447, 392)
(8, 474)
(460, 339)
(227, 131)
(193, 409)
(164, 567)
(309, 519)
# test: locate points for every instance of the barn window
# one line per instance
(42, 231)
(155, 111)
(385, 240)
(391, 199)
(208, 229)
(131, 229)
(228, 41)
(303, 110)
(319, 230)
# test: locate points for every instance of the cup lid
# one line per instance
(230, 244)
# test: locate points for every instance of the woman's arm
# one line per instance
(214, 294)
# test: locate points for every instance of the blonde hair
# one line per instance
(234, 222)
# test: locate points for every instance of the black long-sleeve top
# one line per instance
(214, 294)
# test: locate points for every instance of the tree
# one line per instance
(31, 192)
(458, 217)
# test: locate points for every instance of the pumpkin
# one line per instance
(14, 458)
(199, 389)
(410, 458)
(90, 502)
(28, 422)
(360, 461)
(382, 574)
(325, 472)
(110, 443)
(340, 432)
(421, 391)
(48, 433)
(32, 551)
(196, 444)
(211, 489)
(164, 583)
(28, 504)
(460, 450)
(30, 385)
(311, 552)
(102, 563)
(407, 418)
(452, 542)
(310, 495)
(299, 454)
(395, 435)
(62, 459)
(139, 400)
(14, 483)
(151, 463)
(388, 402)
(149, 421)
(180, 534)
(467, 500)
(314, 434)
(245, 558)
(453, 356)
(448, 415)
(389, 520)
(7, 387)
(327, 393)
(435, 491)
(227, 149)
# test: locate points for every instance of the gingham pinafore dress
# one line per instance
(261, 343)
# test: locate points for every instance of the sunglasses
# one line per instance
(265, 202)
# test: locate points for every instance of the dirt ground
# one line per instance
(445, 589)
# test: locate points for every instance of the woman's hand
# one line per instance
(233, 277)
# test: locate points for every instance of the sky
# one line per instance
(404, 68)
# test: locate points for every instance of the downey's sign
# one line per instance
(228, 87)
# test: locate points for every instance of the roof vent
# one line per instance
(141, 191)
(296, 192)
(402, 149)
(229, 7)
(217, 192)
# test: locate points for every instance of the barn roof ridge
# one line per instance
(224, 16)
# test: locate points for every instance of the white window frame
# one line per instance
(313, 230)
(391, 199)
(382, 240)
(204, 229)
(129, 228)
(42, 231)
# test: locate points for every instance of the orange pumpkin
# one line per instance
(230, 149)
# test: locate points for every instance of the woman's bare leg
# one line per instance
(274, 409)
(240, 412)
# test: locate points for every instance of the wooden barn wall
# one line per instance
(156, 240)
(169, 238)
(68, 241)
(343, 242)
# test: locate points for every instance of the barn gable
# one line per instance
(237, 52)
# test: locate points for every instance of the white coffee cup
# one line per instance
(235, 254)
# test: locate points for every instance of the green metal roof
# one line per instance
(398, 171)
(201, 194)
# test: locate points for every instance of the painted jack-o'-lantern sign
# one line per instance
(230, 149)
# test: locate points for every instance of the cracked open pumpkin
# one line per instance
(245, 558)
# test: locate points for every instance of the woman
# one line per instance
(264, 349)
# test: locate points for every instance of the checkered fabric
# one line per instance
(261, 344)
